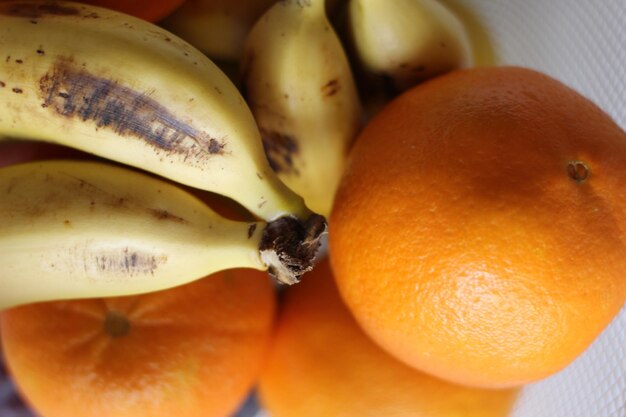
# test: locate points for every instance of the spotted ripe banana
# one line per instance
(407, 41)
(129, 91)
(300, 88)
(75, 229)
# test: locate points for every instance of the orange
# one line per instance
(479, 230)
(322, 365)
(191, 351)
(150, 10)
(13, 152)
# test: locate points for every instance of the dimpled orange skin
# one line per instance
(461, 240)
(191, 351)
(322, 365)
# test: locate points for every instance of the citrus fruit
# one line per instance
(322, 364)
(13, 152)
(479, 230)
(150, 10)
(191, 351)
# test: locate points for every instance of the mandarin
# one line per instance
(479, 230)
(190, 351)
(150, 10)
(322, 364)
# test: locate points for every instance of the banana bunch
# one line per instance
(300, 87)
(131, 92)
(407, 41)
(75, 229)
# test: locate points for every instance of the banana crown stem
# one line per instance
(288, 247)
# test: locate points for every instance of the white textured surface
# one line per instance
(583, 44)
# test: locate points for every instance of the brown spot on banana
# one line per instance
(74, 93)
(251, 229)
(330, 88)
(280, 150)
(109, 264)
(166, 215)
(127, 262)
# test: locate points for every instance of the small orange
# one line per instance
(150, 10)
(14, 152)
(323, 365)
(191, 351)
(479, 230)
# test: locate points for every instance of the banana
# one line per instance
(216, 27)
(129, 91)
(75, 229)
(407, 41)
(300, 87)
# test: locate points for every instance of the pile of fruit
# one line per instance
(167, 180)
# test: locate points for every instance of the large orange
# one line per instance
(323, 365)
(190, 351)
(479, 231)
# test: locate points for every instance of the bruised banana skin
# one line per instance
(75, 229)
(124, 89)
(300, 88)
(407, 41)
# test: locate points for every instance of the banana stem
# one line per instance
(289, 246)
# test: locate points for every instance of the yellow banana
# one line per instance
(129, 91)
(75, 229)
(301, 91)
(216, 27)
(407, 41)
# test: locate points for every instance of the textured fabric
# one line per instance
(10, 403)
